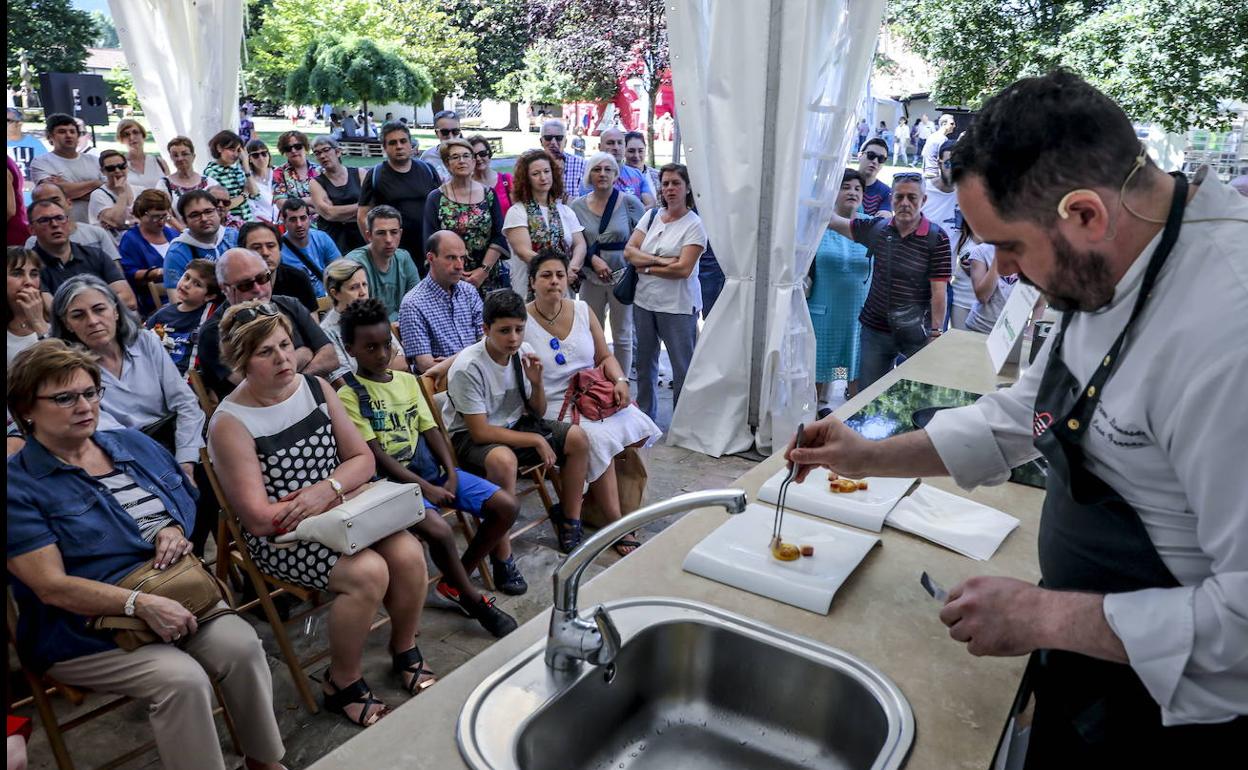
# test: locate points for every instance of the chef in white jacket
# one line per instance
(1138, 632)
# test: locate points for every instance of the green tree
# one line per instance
(54, 36)
(355, 69)
(106, 31)
(121, 87)
(541, 79)
(1169, 62)
(501, 43)
(429, 35)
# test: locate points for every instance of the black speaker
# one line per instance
(81, 96)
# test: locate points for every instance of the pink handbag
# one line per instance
(591, 395)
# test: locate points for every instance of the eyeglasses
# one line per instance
(553, 138)
(55, 219)
(482, 154)
(445, 132)
(293, 147)
(201, 213)
(115, 167)
(156, 216)
(67, 399)
(322, 150)
(559, 357)
(908, 176)
(259, 154)
(876, 157)
(461, 156)
(247, 285)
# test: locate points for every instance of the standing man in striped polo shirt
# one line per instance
(910, 272)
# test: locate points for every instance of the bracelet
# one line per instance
(621, 379)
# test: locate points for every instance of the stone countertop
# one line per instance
(880, 614)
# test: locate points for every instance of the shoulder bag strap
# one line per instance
(191, 363)
(609, 211)
(515, 365)
(366, 403)
(303, 256)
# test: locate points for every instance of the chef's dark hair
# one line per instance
(1042, 137)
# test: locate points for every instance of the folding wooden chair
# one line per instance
(42, 687)
(207, 399)
(160, 295)
(231, 550)
(323, 305)
(536, 474)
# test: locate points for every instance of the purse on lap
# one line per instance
(377, 511)
(590, 394)
(187, 581)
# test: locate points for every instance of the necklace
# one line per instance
(550, 320)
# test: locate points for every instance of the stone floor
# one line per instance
(447, 638)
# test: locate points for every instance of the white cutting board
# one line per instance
(737, 554)
(865, 509)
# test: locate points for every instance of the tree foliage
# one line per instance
(1170, 62)
(106, 31)
(540, 79)
(428, 35)
(500, 37)
(355, 69)
(54, 36)
(121, 87)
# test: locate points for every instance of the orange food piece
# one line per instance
(843, 485)
(808, 550)
(862, 485)
(784, 551)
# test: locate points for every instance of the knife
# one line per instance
(933, 588)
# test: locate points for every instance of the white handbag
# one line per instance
(378, 510)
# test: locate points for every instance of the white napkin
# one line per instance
(958, 524)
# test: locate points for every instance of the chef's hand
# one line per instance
(829, 444)
(995, 615)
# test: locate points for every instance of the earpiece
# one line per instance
(1062, 206)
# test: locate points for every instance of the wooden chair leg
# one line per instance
(224, 542)
(279, 633)
(56, 739)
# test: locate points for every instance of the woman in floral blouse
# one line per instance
(470, 209)
(293, 179)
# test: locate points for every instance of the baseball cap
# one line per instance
(15, 113)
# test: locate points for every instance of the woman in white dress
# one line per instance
(568, 338)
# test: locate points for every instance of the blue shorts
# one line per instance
(471, 493)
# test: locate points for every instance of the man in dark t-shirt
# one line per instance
(876, 196)
(910, 272)
(402, 182)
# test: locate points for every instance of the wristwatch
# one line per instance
(129, 608)
(337, 485)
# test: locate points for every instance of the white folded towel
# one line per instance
(958, 524)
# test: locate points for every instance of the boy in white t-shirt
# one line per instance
(494, 407)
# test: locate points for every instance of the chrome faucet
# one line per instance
(572, 638)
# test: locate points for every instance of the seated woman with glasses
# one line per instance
(293, 179)
(345, 282)
(567, 337)
(469, 209)
(285, 449)
(260, 170)
(109, 204)
(86, 507)
(143, 246)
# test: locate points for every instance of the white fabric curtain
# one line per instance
(739, 138)
(184, 57)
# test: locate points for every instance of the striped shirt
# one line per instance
(145, 508)
(876, 198)
(902, 268)
(433, 321)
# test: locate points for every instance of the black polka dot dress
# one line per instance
(302, 452)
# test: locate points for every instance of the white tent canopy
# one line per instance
(767, 105)
(184, 57)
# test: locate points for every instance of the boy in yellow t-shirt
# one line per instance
(390, 411)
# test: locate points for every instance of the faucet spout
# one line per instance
(563, 651)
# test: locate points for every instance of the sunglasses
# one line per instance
(55, 219)
(249, 314)
(259, 154)
(69, 398)
(114, 167)
(483, 154)
(553, 138)
(293, 147)
(876, 157)
(222, 204)
(908, 176)
(559, 357)
(445, 132)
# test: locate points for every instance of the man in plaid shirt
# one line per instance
(441, 315)
(553, 138)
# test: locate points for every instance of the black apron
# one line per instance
(1091, 712)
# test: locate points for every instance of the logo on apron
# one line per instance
(1041, 423)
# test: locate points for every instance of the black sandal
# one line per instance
(357, 692)
(412, 662)
(626, 542)
(570, 535)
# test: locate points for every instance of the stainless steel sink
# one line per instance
(693, 686)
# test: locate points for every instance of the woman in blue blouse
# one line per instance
(87, 507)
(143, 246)
(840, 271)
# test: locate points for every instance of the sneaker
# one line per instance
(507, 577)
(454, 600)
(492, 619)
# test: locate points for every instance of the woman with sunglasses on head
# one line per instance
(143, 246)
(109, 205)
(184, 177)
(336, 195)
(86, 507)
(568, 338)
(469, 209)
(145, 169)
(286, 450)
(498, 181)
(293, 179)
(260, 171)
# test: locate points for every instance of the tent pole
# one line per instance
(767, 193)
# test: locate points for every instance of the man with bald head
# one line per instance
(553, 138)
(243, 275)
(630, 180)
(442, 314)
(81, 233)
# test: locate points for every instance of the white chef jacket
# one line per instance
(1171, 437)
